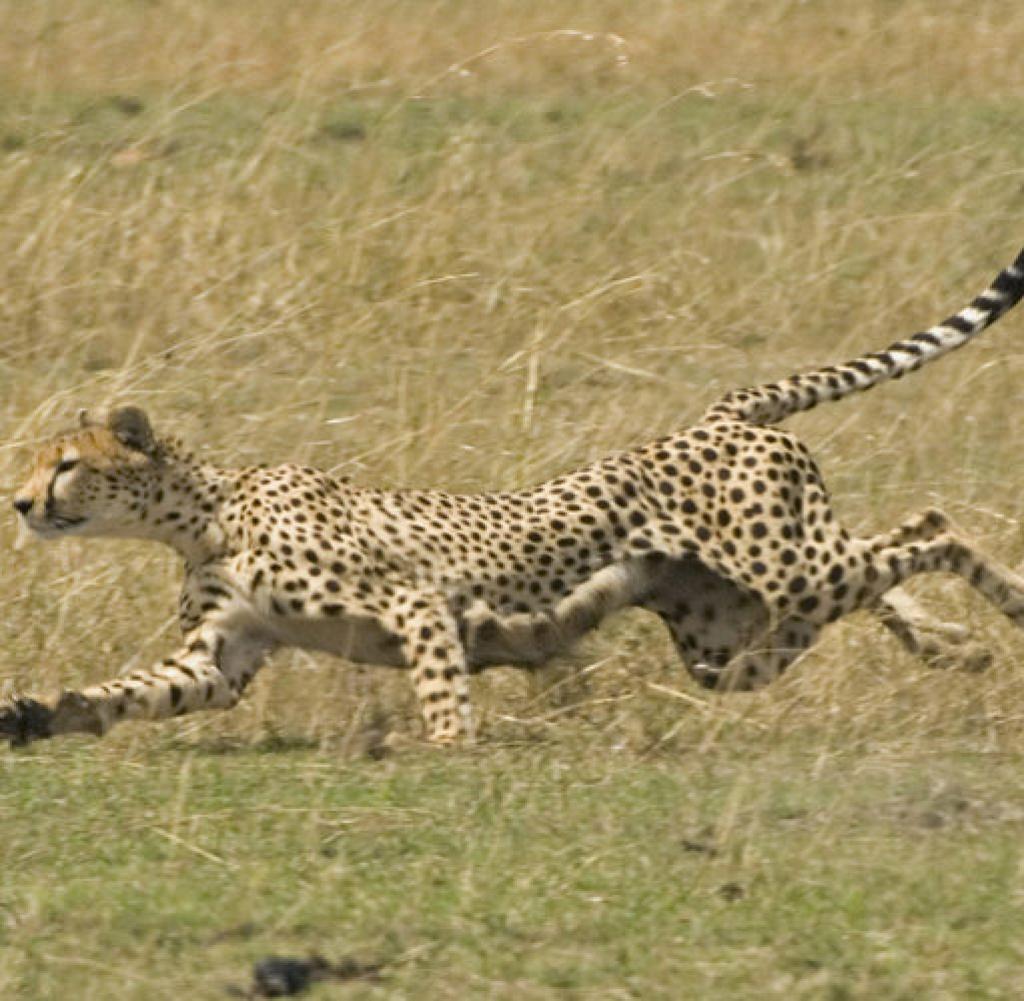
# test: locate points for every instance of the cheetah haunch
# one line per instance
(723, 530)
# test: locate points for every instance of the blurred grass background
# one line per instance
(471, 246)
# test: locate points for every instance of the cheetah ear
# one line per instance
(132, 429)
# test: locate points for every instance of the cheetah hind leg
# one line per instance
(883, 567)
(764, 662)
(711, 620)
(715, 662)
(940, 644)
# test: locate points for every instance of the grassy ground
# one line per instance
(519, 872)
(474, 245)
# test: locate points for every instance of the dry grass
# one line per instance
(474, 245)
(406, 47)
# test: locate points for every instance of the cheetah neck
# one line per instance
(182, 505)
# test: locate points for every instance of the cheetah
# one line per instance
(723, 530)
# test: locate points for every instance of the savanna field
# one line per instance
(473, 245)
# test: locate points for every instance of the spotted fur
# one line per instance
(723, 530)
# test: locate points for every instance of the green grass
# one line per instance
(307, 234)
(538, 872)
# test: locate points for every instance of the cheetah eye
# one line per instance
(66, 465)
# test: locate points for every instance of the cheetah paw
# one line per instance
(23, 720)
(74, 713)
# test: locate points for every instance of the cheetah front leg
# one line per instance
(432, 649)
(210, 672)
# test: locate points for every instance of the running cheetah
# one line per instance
(723, 530)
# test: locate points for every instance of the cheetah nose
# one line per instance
(23, 505)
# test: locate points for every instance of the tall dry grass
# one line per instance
(473, 245)
(409, 48)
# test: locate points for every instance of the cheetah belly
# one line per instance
(360, 639)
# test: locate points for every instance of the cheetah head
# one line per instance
(91, 480)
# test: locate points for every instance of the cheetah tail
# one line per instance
(774, 402)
